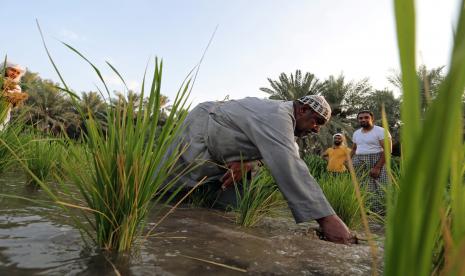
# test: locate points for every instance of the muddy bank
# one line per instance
(277, 247)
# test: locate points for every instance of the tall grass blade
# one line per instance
(118, 74)
(97, 71)
(413, 221)
(410, 108)
(50, 56)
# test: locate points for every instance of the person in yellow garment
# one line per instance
(338, 155)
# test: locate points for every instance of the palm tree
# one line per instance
(92, 102)
(292, 87)
(131, 97)
(47, 107)
(345, 98)
(377, 99)
(428, 81)
(391, 103)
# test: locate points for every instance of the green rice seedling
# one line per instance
(204, 196)
(77, 150)
(256, 197)
(14, 137)
(128, 167)
(42, 157)
(6, 158)
(340, 193)
(316, 165)
(432, 158)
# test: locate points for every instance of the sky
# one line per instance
(254, 40)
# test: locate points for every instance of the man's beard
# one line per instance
(365, 125)
(337, 143)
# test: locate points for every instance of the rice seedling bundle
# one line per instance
(256, 198)
(42, 157)
(340, 192)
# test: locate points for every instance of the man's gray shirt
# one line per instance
(216, 133)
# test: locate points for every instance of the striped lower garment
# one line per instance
(363, 163)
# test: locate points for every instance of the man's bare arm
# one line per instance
(354, 148)
(325, 156)
(382, 160)
(376, 170)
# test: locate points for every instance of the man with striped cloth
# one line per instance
(368, 157)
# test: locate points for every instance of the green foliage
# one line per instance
(345, 97)
(128, 166)
(48, 109)
(13, 136)
(256, 198)
(316, 165)
(51, 110)
(340, 192)
(391, 104)
(42, 157)
(293, 87)
(429, 81)
(93, 105)
(418, 212)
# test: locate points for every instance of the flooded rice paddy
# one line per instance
(39, 239)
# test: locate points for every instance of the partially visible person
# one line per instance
(368, 157)
(12, 95)
(338, 155)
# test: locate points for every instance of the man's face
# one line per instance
(12, 73)
(307, 121)
(337, 140)
(365, 120)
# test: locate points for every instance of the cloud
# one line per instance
(133, 85)
(114, 82)
(71, 35)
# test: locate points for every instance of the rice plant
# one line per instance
(316, 165)
(433, 151)
(256, 198)
(129, 167)
(42, 157)
(13, 135)
(339, 191)
(77, 150)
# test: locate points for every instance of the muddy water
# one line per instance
(40, 240)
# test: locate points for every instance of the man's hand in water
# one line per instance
(235, 172)
(335, 230)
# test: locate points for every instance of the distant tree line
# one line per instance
(51, 110)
